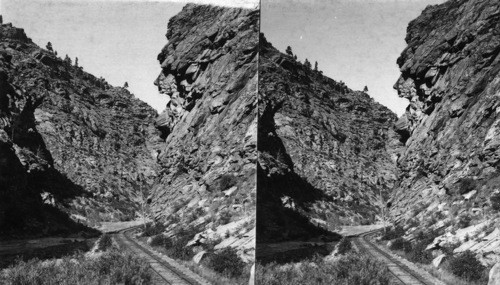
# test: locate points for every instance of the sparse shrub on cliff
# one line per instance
(153, 229)
(401, 244)
(463, 221)
(344, 246)
(227, 262)
(227, 181)
(465, 185)
(393, 233)
(466, 266)
(495, 201)
(105, 242)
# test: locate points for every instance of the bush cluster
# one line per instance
(227, 181)
(466, 266)
(393, 233)
(153, 229)
(227, 262)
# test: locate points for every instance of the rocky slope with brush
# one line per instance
(451, 163)
(325, 151)
(207, 180)
(71, 143)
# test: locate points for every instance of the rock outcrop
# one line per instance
(450, 166)
(70, 142)
(209, 127)
(325, 151)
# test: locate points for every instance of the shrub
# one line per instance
(104, 242)
(227, 181)
(153, 229)
(401, 244)
(344, 246)
(161, 240)
(464, 221)
(393, 233)
(466, 266)
(465, 185)
(495, 201)
(418, 253)
(227, 262)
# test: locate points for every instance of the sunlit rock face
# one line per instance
(69, 141)
(207, 158)
(450, 75)
(326, 152)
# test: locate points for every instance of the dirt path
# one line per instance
(167, 270)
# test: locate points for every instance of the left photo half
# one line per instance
(128, 141)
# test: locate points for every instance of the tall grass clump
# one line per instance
(111, 267)
(347, 270)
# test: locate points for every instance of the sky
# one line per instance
(355, 41)
(118, 40)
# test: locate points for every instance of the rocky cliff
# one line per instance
(207, 180)
(71, 143)
(451, 129)
(325, 151)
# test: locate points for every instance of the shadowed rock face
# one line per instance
(450, 74)
(209, 127)
(324, 150)
(69, 141)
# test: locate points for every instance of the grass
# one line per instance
(347, 270)
(448, 278)
(112, 267)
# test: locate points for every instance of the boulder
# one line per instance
(436, 262)
(199, 257)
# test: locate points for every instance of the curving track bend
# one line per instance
(401, 272)
(167, 270)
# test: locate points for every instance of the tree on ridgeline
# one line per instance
(67, 60)
(125, 85)
(76, 61)
(307, 64)
(365, 89)
(315, 66)
(49, 46)
(295, 57)
(289, 51)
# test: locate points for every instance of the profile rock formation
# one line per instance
(209, 127)
(451, 129)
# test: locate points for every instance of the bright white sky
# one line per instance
(356, 41)
(118, 40)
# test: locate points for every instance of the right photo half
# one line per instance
(378, 142)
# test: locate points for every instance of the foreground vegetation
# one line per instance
(109, 267)
(217, 266)
(457, 269)
(346, 270)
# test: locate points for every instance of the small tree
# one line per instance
(307, 64)
(67, 60)
(76, 61)
(49, 46)
(289, 51)
(315, 66)
(295, 57)
(55, 52)
(125, 85)
(365, 89)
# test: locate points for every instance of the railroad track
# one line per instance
(401, 272)
(167, 270)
